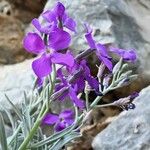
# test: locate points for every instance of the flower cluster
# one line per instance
(51, 43)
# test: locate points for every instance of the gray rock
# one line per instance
(14, 80)
(131, 130)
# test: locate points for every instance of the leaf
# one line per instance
(3, 140)
(12, 138)
(117, 67)
(63, 141)
(12, 121)
(17, 111)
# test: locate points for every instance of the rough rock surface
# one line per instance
(14, 16)
(131, 130)
(14, 80)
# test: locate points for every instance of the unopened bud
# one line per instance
(101, 69)
(106, 80)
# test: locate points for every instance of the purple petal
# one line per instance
(43, 29)
(92, 82)
(63, 59)
(60, 126)
(42, 66)
(80, 84)
(128, 55)
(66, 114)
(59, 10)
(89, 37)
(36, 24)
(103, 56)
(59, 39)
(33, 43)
(61, 76)
(50, 119)
(79, 103)
(106, 62)
(85, 67)
(50, 16)
(70, 24)
(101, 50)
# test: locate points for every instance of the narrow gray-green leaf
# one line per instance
(17, 111)
(3, 140)
(64, 140)
(117, 67)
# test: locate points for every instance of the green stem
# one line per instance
(106, 105)
(40, 116)
(87, 100)
(29, 137)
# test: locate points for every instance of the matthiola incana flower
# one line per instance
(61, 121)
(59, 17)
(71, 92)
(48, 41)
(101, 50)
(127, 55)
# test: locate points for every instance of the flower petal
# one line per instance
(33, 43)
(92, 82)
(42, 66)
(128, 55)
(70, 24)
(59, 10)
(101, 50)
(89, 37)
(43, 29)
(59, 39)
(60, 126)
(102, 54)
(63, 59)
(36, 24)
(50, 16)
(66, 114)
(79, 103)
(106, 62)
(50, 119)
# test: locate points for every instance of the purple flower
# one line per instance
(33, 43)
(101, 50)
(72, 92)
(128, 55)
(80, 73)
(126, 102)
(58, 39)
(43, 66)
(59, 17)
(61, 121)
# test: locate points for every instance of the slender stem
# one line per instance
(105, 105)
(30, 135)
(87, 100)
(39, 118)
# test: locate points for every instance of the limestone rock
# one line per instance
(131, 130)
(14, 80)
